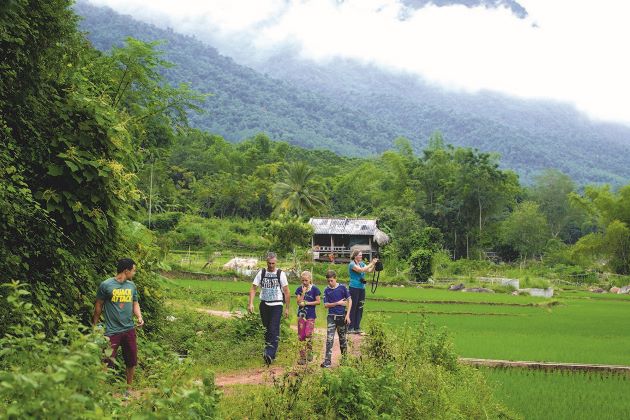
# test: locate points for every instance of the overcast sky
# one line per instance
(568, 50)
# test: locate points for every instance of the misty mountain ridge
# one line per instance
(357, 109)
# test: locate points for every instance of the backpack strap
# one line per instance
(263, 272)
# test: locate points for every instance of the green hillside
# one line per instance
(356, 110)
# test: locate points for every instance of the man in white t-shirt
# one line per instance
(274, 291)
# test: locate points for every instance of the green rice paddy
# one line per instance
(574, 326)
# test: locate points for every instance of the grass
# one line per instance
(583, 327)
(562, 395)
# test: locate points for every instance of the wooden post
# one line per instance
(332, 247)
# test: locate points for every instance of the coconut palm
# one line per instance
(298, 194)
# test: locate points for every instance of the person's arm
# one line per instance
(98, 309)
(316, 302)
(138, 314)
(348, 307)
(368, 268)
(252, 293)
(287, 300)
(341, 302)
(328, 304)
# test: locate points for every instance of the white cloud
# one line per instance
(570, 51)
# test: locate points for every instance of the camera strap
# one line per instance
(375, 276)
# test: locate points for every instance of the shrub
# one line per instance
(163, 222)
(287, 234)
(421, 261)
(61, 375)
(411, 373)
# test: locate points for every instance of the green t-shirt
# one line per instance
(118, 307)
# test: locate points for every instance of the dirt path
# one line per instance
(266, 375)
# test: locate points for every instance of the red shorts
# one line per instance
(126, 340)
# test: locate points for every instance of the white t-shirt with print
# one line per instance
(270, 293)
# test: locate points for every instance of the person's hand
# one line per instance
(140, 322)
(286, 312)
(302, 304)
(347, 319)
(250, 308)
(342, 302)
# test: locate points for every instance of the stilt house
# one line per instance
(334, 238)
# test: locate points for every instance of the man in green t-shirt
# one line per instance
(119, 298)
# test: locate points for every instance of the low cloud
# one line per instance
(562, 50)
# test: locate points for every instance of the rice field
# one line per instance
(538, 394)
(574, 326)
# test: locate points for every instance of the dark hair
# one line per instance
(124, 264)
(330, 274)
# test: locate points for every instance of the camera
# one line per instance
(379, 264)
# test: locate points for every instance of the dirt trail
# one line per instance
(266, 375)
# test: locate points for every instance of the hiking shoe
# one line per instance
(350, 331)
(267, 359)
(325, 365)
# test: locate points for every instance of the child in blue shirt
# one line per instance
(337, 300)
(308, 296)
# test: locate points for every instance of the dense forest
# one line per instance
(356, 109)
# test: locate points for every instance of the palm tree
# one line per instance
(298, 194)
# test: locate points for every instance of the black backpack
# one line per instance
(262, 276)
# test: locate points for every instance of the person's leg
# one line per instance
(310, 327)
(341, 331)
(354, 295)
(129, 346)
(359, 312)
(275, 317)
(330, 338)
(114, 343)
(301, 338)
(265, 317)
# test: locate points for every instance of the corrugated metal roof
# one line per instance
(343, 226)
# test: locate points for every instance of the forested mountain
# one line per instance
(529, 135)
(355, 109)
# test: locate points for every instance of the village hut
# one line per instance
(334, 238)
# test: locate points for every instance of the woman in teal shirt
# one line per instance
(357, 269)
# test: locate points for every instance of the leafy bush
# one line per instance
(49, 377)
(421, 261)
(411, 373)
(287, 234)
(163, 222)
(61, 376)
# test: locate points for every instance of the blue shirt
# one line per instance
(355, 278)
(335, 295)
(309, 296)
